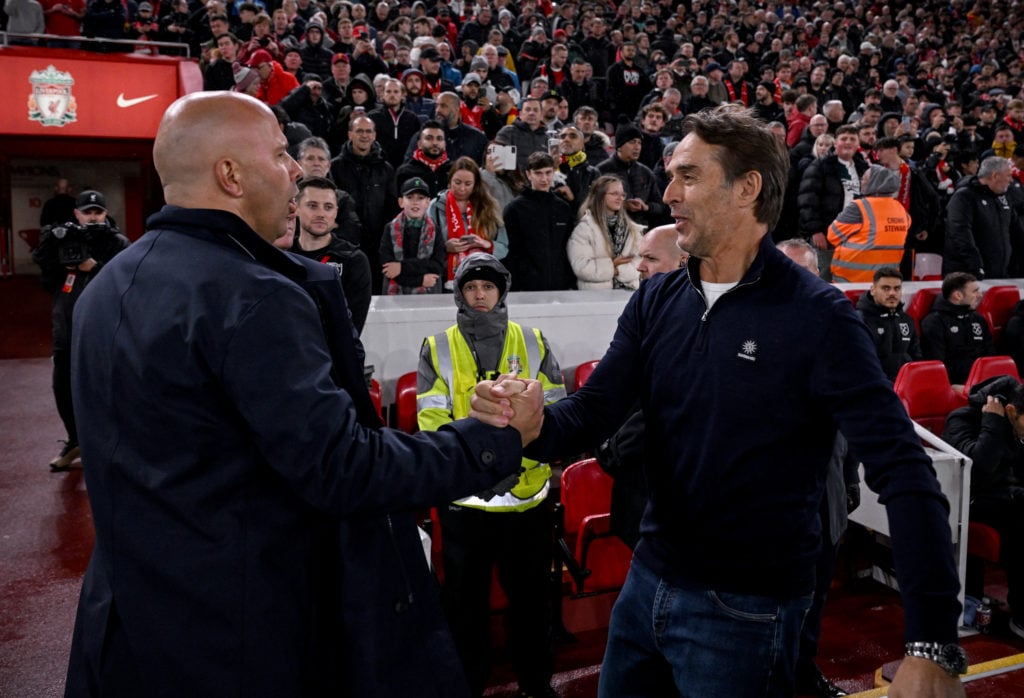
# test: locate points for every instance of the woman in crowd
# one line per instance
(467, 217)
(604, 247)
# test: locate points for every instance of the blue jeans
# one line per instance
(688, 640)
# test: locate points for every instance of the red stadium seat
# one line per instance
(405, 403)
(924, 388)
(997, 306)
(921, 303)
(986, 367)
(597, 560)
(583, 372)
(854, 294)
(983, 542)
(375, 396)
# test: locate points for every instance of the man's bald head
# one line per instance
(225, 151)
(659, 252)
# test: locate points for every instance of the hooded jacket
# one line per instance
(871, 231)
(894, 334)
(956, 336)
(485, 344)
(988, 439)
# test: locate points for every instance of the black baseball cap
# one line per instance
(91, 199)
(415, 184)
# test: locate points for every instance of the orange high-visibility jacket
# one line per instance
(869, 233)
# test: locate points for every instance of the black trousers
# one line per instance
(823, 571)
(1006, 515)
(62, 391)
(520, 544)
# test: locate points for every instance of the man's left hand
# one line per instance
(922, 678)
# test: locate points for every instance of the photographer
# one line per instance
(70, 255)
(990, 430)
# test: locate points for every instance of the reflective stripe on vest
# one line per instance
(534, 481)
(861, 250)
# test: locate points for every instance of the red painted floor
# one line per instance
(46, 539)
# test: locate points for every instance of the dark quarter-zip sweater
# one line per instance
(743, 402)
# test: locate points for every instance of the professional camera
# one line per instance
(75, 242)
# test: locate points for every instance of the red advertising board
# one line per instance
(56, 93)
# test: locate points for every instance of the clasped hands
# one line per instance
(510, 401)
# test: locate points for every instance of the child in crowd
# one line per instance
(411, 251)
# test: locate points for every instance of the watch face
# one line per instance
(956, 658)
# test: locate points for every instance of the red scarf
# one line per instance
(459, 226)
(424, 250)
(418, 156)
(732, 92)
(903, 195)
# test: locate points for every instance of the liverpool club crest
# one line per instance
(51, 102)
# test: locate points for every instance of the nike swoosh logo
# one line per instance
(125, 103)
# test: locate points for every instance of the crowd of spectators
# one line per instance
(927, 90)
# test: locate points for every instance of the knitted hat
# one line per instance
(259, 57)
(244, 77)
(626, 133)
(484, 272)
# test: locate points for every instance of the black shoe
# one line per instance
(817, 685)
(67, 456)
(538, 692)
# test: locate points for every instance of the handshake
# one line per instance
(510, 402)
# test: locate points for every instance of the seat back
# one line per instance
(921, 303)
(586, 490)
(924, 388)
(583, 372)
(986, 367)
(405, 403)
(927, 266)
(375, 397)
(997, 306)
(854, 294)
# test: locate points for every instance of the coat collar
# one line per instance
(226, 229)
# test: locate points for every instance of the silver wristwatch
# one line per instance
(950, 657)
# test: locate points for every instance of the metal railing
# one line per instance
(134, 45)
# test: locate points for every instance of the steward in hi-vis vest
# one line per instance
(510, 524)
(870, 232)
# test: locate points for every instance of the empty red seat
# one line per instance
(854, 294)
(996, 307)
(986, 367)
(375, 396)
(983, 542)
(921, 303)
(583, 372)
(597, 560)
(924, 388)
(405, 403)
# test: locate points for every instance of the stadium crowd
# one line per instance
(927, 91)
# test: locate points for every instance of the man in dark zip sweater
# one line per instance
(747, 366)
